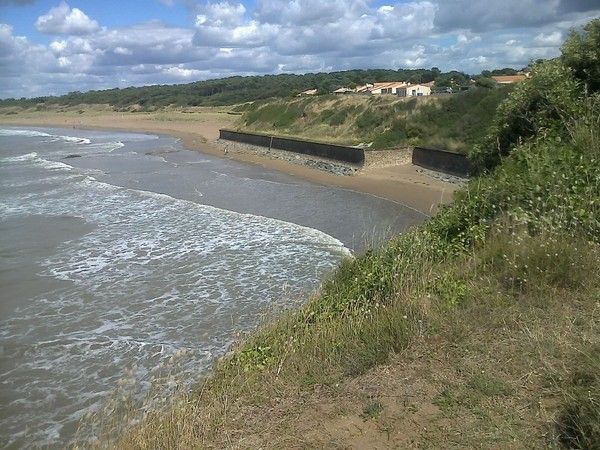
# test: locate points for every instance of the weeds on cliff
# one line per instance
(502, 257)
(578, 423)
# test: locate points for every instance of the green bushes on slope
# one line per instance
(522, 238)
(515, 257)
(453, 122)
(541, 106)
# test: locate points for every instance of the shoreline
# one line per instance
(388, 176)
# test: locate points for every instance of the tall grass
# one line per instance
(453, 122)
(529, 231)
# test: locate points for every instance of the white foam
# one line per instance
(35, 133)
(76, 140)
(37, 160)
(319, 236)
(53, 165)
(156, 275)
(26, 157)
(25, 133)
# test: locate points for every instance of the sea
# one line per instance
(124, 254)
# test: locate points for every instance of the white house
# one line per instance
(414, 90)
(343, 91)
(391, 87)
(363, 89)
(308, 92)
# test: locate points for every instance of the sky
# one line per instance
(51, 47)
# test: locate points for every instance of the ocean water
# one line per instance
(120, 250)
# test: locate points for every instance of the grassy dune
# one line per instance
(479, 328)
(453, 122)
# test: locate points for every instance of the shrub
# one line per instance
(370, 119)
(581, 52)
(394, 135)
(538, 106)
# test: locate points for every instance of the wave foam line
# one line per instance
(319, 236)
(35, 133)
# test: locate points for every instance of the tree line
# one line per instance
(240, 89)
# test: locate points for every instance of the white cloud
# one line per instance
(224, 37)
(181, 73)
(122, 51)
(64, 20)
(299, 13)
(549, 39)
(480, 60)
(466, 38)
(385, 9)
(223, 13)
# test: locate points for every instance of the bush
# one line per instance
(538, 106)
(391, 137)
(581, 52)
(372, 118)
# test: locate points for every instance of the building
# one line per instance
(414, 90)
(363, 89)
(343, 91)
(392, 87)
(308, 92)
(509, 79)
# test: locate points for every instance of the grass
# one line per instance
(481, 326)
(452, 122)
(372, 410)
(515, 349)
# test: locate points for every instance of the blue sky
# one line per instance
(53, 46)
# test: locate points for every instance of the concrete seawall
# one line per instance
(342, 153)
(442, 161)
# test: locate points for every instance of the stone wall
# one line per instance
(343, 153)
(442, 161)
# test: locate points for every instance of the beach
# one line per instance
(385, 174)
(122, 252)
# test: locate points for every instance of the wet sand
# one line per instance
(199, 131)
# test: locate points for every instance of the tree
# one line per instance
(485, 82)
(581, 52)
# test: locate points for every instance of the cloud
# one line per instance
(308, 12)
(553, 39)
(64, 20)
(481, 15)
(228, 37)
(223, 13)
(484, 15)
(569, 6)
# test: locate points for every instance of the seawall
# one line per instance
(352, 155)
(442, 161)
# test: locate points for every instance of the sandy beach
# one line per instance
(386, 175)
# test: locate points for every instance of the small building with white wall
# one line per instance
(414, 90)
(387, 88)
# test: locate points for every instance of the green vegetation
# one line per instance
(455, 122)
(234, 90)
(546, 103)
(497, 296)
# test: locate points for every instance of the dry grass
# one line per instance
(478, 361)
